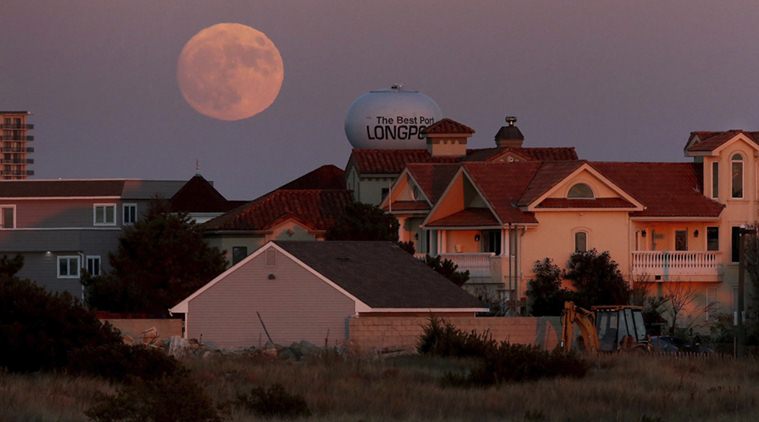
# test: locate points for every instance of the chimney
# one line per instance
(509, 136)
(447, 138)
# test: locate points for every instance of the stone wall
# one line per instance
(368, 333)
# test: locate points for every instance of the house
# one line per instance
(665, 224)
(310, 291)
(62, 227)
(370, 173)
(303, 209)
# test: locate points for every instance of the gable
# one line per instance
(461, 195)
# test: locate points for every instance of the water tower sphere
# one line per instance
(390, 119)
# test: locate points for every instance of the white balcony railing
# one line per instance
(675, 263)
(478, 264)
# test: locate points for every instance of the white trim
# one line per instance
(464, 227)
(742, 162)
(597, 209)
(182, 307)
(674, 218)
(533, 206)
(104, 205)
(78, 266)
(737, 137)
(2, 206)
(459, 172)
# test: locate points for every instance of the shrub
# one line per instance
(274, 401)
(544, 290)
(164, 399)
(447, 269)
(596, 279)
(40, 330)
(502, 362)
(119, 362)
(441, 338)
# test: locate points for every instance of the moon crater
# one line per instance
(230, 71)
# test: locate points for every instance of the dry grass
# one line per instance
(618, 388)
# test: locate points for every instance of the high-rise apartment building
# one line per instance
(14, 137)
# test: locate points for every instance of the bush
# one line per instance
(164, 399)
(544, 290)
(441, 338)
(40, 330)
(447, 269)
(274, 402)
(502, 362)
(120, 362)
(596, 279)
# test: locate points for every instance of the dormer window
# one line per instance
(580, 191)
(736, 165)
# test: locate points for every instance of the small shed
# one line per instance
(310, 291)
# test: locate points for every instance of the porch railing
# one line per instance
(478, 264)
(675, 262)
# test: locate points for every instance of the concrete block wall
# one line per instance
(367, 333)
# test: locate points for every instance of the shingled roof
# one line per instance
(325, 177)
(432, 179)
(527, 153)
(199, 195)
(316, 208)
(502, 185)
(404, 282)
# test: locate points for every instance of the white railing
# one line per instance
(675, 263)
(478, 264)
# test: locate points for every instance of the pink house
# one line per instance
(310, 291)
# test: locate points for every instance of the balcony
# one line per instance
(677, 265)
(16, 126)
(478, 264)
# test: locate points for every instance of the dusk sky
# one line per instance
(618, 80)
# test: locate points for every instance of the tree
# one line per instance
(448, 269)
(544, 290)
(679, 296)
(9, 267)
(160, 260)
(364, 222)
(596, 279)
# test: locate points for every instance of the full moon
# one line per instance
(230, 71)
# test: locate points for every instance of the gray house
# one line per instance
(311, 290)
(63, 226)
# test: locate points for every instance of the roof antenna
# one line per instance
(197, 166)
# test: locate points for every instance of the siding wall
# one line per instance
(295, 306)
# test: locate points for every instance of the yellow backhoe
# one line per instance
(603, 329)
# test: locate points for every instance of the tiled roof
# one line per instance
(585, 203)
(546, 177)
(528, 154)
(198, 195)
(325, 177)
(447, 125)
(410, 206)
(502, 185)
(709, 141)
(665, 189)
(433, 178)
(392, 161)
(468, 217)
(314, 207)
(404, 282)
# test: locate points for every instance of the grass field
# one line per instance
(618, 388)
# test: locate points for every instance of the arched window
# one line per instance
(736, 164)
(580, 191)
(581, 242)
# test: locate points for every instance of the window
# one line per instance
(8, 217)
(93, 265)
(105, 214)
(735, 242)
(129, 213)
(681, 240)
(238, 253)
(68, 266)
(581, 242)
(737, 181)
(712, 238)
(384, 193)
(580, 191)
(715, 180)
